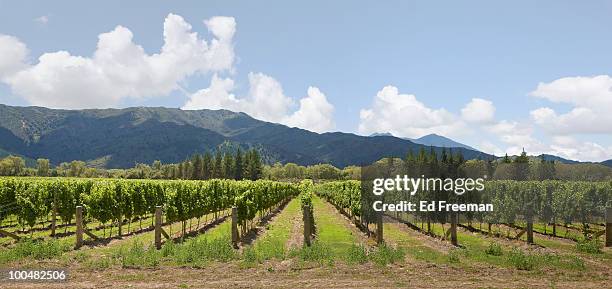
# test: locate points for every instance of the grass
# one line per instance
(332, 229)
(271, 245)
(384, 255)
(37, 250)
(357, 254)
(412, 246)
(477, 248)
(335, 241)
(214, 245)
(494, 249)
(593, 246)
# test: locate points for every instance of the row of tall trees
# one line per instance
(236, 165)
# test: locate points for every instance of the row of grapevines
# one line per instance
(259, 196)
(113, 200)
(547, 201)
(343, 194)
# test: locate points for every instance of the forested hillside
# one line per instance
(120, 138)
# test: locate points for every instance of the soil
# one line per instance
(231, 275)
(296, 237)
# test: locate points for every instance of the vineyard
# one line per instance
(277, 229)
(42, 203)
(573, 206)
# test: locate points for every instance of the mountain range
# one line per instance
(120, 138)
(433, 140)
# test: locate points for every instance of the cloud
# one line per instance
(569, 147)
(478, 111)
(403, 115)
(42, 19)
(13, 54)
(119, 68)
(517, 136)
(266, 101)
(315, 112)
(490, 148)
(217, 96)
(591, 98)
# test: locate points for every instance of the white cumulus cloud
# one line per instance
(267, 101)
(478, 111)
(591, 98)
(569, 147)
(13, 54)
(403, 115)
(119, 68)
(315, 112)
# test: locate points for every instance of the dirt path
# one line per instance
(232, 276)
(296, 236)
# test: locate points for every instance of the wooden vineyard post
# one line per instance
(379, 228)
(307, 225)
(609, 227)
(312, 222)
(235, 227)
(453, 228)
(158, 227)
(79, 227)
(530, 230)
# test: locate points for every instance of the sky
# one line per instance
(498, 76)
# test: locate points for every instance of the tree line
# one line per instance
(250, 165)
(218, 165)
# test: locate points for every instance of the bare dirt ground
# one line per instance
(275, 275)
(296, 237)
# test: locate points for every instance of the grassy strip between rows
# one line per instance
(272, 244)
(477, 248)
(335, 241)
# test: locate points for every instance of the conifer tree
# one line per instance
(228, 166)
(207, 166)
(218, 165)
(238, 165)
(196, 173)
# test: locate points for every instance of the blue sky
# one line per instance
(406, 67)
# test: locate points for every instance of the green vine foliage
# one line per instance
(514, 201)
(112, 200)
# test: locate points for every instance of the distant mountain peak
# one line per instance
(381, 134)
(440, 141)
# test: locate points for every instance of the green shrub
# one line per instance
(357, 254)
(521, 260)
(316, 252)
(168, 249)
(384, 255)
(592, 246)
(494, 249)
(137, 256)
(454, 255)
(198, 251)
(249, 256)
